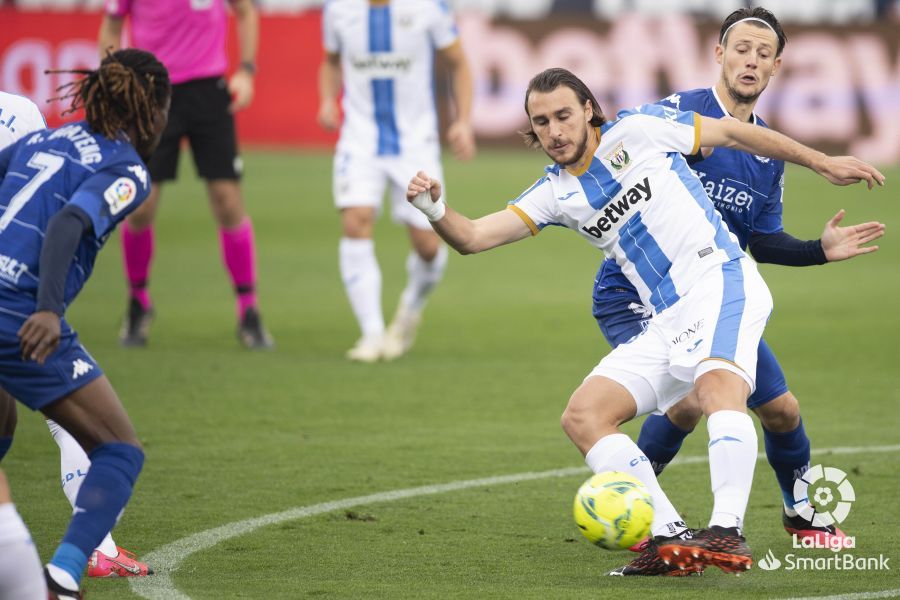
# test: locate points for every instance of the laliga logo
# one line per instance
(813, 507)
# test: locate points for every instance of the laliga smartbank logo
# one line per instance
(831, 498)
(825, 497)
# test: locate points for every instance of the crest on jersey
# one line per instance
(120, 194)
(618, 158)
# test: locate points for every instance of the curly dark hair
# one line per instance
(128, 89)
(549, 80)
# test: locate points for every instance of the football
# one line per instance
(613, 510)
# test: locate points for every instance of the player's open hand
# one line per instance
(846, 170)
(462, 140)
(841, 243)
(39, 336)
(240, 86)
(422, 183)
(329, 116)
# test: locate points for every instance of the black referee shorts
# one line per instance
(199, 112)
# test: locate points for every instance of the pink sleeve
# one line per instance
(117, 8)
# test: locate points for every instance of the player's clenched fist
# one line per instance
(424, 193)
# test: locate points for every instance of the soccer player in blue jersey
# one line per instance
(625, 188)
(747, 192)
(23, 117)
(62, 192)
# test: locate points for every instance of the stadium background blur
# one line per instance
(232, 436)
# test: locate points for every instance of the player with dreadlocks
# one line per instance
(62, 192)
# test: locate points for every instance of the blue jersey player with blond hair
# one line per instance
(747, 192)
(62, 193)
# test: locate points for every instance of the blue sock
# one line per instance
(660, 440)
(5, 443)
(101, 499)
(788, 453)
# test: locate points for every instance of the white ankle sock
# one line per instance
(732, 459)
(74, 465)
(422, 278)
(362, 282)
(617, 452)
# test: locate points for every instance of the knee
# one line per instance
(686, 413)
(357, 222)
(781, 414)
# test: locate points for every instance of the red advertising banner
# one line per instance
(286, 101)
(838, 88)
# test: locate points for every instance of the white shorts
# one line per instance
(716, 325)
(360, 181)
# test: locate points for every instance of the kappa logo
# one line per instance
(80, 367)
(139, 172)
(674, 99)
(640, 309)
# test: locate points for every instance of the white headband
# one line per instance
(724, 35)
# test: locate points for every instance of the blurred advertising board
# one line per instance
(838, 88)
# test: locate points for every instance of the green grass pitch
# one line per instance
(231, 435)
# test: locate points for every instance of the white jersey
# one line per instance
(18, 116)
(387, 61)
(639, 202)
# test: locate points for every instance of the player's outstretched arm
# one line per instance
(464, 235)
(841, 243)
(839, 170)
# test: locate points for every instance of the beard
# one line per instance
(579, 151)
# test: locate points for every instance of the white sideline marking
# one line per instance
(166, 559)
(857, 596)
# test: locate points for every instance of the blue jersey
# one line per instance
(745, 189)
(39, 175)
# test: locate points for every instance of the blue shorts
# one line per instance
(621, 316)
(69, 368)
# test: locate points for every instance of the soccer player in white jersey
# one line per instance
(20, 116)
(625, 187)
(383, 54)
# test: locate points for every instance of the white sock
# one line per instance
(62, 577)
(422, 277)
(20, 567)
(617, 452)
(74, 465)
(362, 282)
(732, 458)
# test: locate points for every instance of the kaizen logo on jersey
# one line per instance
(120, 194)
(620, 209)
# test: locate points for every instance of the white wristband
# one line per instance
(434, 210)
